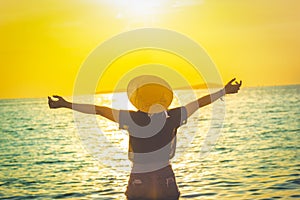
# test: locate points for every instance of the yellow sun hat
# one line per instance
(150, 94)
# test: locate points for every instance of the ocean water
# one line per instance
(256, 156)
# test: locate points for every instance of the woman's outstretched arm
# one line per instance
(208, 99)
(109, 113)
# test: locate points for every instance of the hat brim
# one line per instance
(150, 93)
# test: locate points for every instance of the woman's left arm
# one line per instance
(208, 99)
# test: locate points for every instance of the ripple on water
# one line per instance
(207, 194)
(295, 196)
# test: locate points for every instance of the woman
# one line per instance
(152, 132)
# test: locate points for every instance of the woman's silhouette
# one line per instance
(152, 132)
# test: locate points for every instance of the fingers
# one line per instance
(236, 82)
(50, 102)
(232, 80)
(56, 96)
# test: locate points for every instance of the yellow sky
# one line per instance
(43, 43)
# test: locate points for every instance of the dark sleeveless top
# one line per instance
(152, 138)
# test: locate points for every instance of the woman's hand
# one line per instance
(61, 102)
(232, 88)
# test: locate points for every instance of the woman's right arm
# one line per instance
(109, 113)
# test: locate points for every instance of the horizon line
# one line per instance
(103, 92)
